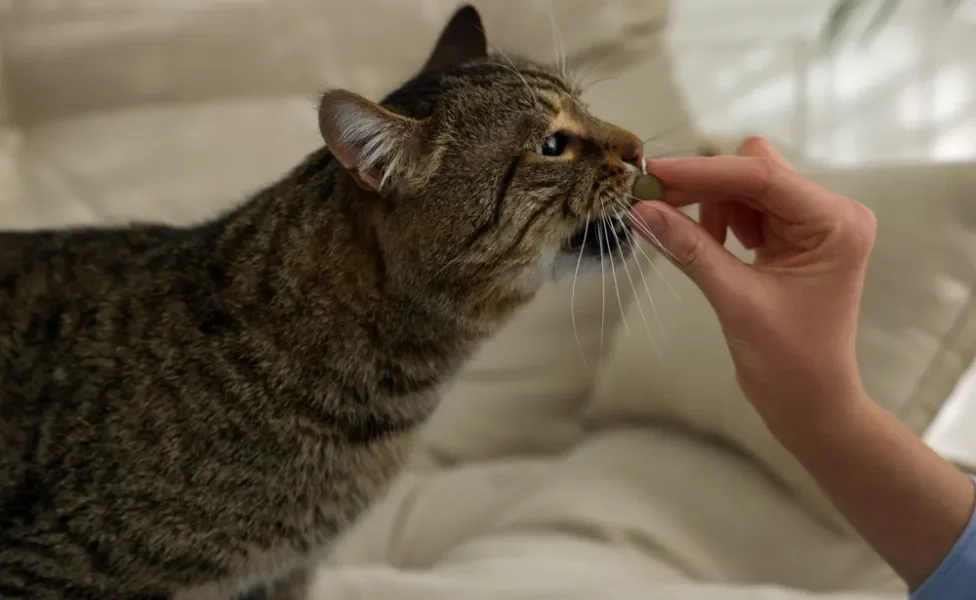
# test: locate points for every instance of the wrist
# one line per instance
(813, 413)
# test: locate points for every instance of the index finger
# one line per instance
(759, 181)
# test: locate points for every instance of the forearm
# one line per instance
(910, 504)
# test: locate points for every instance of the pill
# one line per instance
(648, 187)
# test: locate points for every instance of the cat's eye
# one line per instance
(554, 145)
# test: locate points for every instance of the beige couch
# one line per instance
(615, 467)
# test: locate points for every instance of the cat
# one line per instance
(214, 403)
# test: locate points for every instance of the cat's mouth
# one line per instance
(600, 242)
(608, 234)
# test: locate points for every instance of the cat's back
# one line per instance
(69, 302)
(38, 265)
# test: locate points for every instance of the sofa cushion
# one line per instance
(64, 58)
(179, 163)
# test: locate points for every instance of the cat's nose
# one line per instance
(628, 147)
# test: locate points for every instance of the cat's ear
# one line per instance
(463, 39)
(378, 147)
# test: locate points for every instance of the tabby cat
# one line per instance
(184, 405)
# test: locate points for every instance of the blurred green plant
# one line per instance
(845, 13)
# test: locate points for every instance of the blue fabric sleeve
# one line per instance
(955, 579)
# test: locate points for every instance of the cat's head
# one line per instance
(489, 171)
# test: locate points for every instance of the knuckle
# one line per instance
(752, 145)
(691, 251)
(866, 217)
(863, 218)
(770, 171)
(862, 226)
(770, 167)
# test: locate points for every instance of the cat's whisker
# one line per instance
(656, 143)
(654, 150)
(629, 236)
(555, 43)
(593, 84)
(613, 271)
(595, 66)
(669, 130)
(642, 227)
(515, 70)
(623, 261)
(572, 298)
(603, 292)
(557, 40)
(660, 274)
(652, 139)
(636, 245)
(511, 68)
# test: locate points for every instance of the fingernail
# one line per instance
(652, 217)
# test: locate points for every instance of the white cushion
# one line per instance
(64, 58)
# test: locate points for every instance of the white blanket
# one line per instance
(639, 511)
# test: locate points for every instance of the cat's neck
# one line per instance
(304, 267)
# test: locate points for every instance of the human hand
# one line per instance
(790, 317)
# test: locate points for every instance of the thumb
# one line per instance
(689, 247)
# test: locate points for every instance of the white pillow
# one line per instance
(917, 333)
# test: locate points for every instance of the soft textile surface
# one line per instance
(532, 567)
(660, 509)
